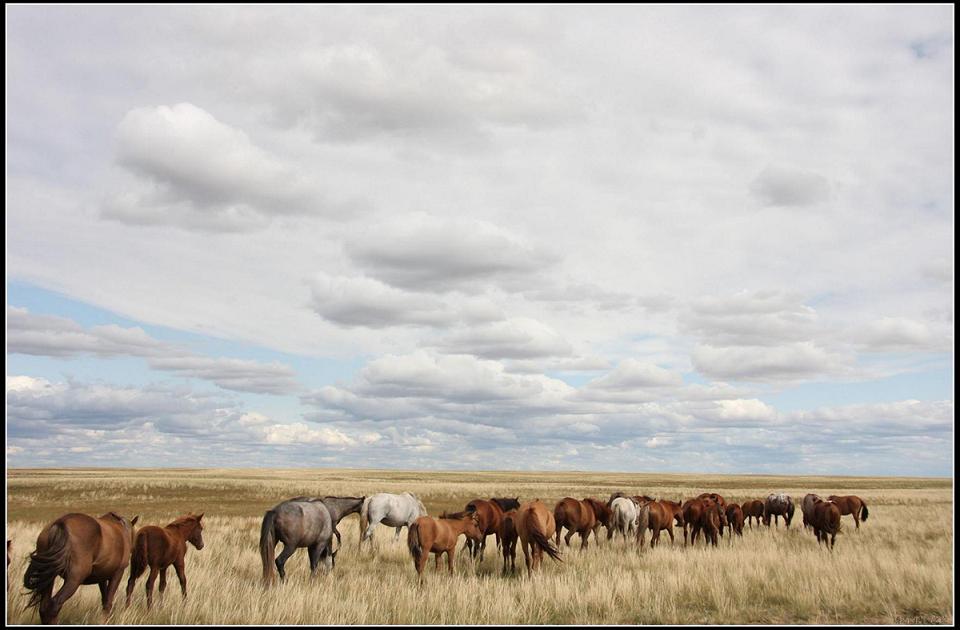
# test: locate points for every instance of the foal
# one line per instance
(158, 548)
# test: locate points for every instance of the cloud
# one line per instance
(360, 301)
(902, 334)
(196, 172)
(781, 186)
(52, 336)
(516, 338)
(788, 362)
(430, 253)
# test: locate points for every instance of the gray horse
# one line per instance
(394, 510)
(303, 522)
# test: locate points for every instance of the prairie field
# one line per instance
(897, 568)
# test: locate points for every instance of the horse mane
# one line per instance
(455, 515)
(308, 499)
(330, 496)
(184, 521)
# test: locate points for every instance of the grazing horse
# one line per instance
(298, 522)
(535, 526)
(826, 521)
(643, 521)
(753, 510)
(778, 505)
(393, 510)
(734, 515)
(489, 514)
(603, 513)
(806, 507)
(158, 548)
(723, 507)
(508, 539)
(82, 550)
(692, 510)
(851, 504)
(577, 516)
(707, 520)
(428, 535)
(624, 517)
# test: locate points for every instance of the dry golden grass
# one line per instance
(896, 569)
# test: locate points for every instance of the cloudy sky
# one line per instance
(705, 239)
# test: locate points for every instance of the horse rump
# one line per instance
(413, 542)
(140, 556)
(864, 513)
(46, 565)
(539, 537)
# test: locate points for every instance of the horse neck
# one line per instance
(182, 529)
(339, 507)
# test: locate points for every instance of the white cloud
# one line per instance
(780, 186)
(787, 362)
(516, 338)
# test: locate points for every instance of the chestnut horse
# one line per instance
(159, 548)
(489, 515)
(428, 535)
(735, 519)
(535, 526)
(577, 516)
(753, 511)
(723, 507)
(826, 521)
(851, 504)
(662, 516)
(82, 550)
(508, 540)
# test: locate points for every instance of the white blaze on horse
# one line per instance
(393, 510)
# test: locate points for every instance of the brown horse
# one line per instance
(428, 535)
(753, 510)
(158, 548)
(707, 521)
(508, 540)
(662, 516)
(735, 519)
(82, 550)
(806, 508)
(826, 521)
(851, 504)
(535, 526)
(577, 516)
(603, 513)
(489, 514)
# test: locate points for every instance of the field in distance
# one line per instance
(897, 568)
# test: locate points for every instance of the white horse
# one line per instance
(394, 510)
(624, 518)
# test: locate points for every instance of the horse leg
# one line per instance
(670, 531)
(130, 584)
(151, 580)
(558, 535)
(569, 535)
(396, 536)
(50, 608)
(182, 576)
(451, 552)
(526, 554)
(314, 554)
(282, 560)
(583, 539)
(436, 557)
(163, 581)
(112, 586)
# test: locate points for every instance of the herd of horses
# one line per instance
(83, 549)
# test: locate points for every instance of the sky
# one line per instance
(626, 238)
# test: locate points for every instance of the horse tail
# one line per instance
(268, 544)
(140, 557)
(539, 538)
(864, 513)
(46, 565)
(364, 518)
(413, 542)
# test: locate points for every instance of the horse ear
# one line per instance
(134, 520)
(199, 516)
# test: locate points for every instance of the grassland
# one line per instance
(897, 568)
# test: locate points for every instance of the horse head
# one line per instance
(196, 536)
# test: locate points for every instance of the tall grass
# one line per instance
(896, 569)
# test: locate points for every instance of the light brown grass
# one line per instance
(893, 570)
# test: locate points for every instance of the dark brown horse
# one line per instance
(506, 504)
(851, 504)
(535, 526)
(735, 518)
(753, 511)
(706, 520)
(489, 515)
(82, 550)
(428, 535)
(826, 521)
(577, 516)
(508, 540)
(158, 548)
(603, 513)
